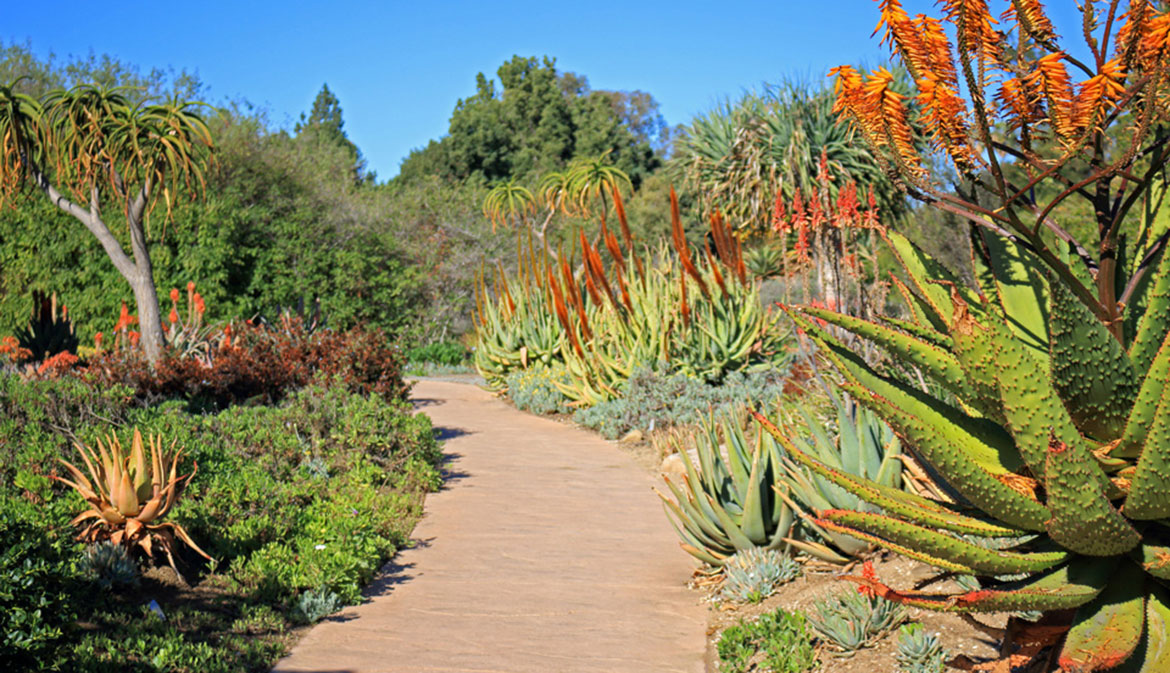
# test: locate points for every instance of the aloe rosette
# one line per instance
(1051, 430)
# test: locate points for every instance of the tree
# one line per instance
(325, 124)
(87, 148)
(533, 119)
(1104, 140)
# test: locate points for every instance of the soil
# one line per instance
(822, 580)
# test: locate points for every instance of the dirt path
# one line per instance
(546, 551)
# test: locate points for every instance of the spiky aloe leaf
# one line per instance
(948, 448)
(1149, 492)
(907, 505)
(1146, 404)
(923, 333)
(1068, 586)
(975, 347)
(1091, 373)
(935, 362)
(1083, 519)
(1154, 325)
(923, 270)
(1032, 407)
(1106, 631)
(1156, 560)
(1157, 642)
(938, 549)
(924, 315)
(1022, 290)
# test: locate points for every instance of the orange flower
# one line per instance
(198, 303)
(1029, 14)
(190, 286)
(1051, 78)
(174, 294)
(97, 340)
(173, 317)
(134, 336)
(868, 573)
(58, 363)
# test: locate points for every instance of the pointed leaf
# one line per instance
(1106, 631)
(948, 552)
(1149, 491)
(1090, 372)
(1022, 290)
(1154, 308)
(1083, 519)
(1137, 426)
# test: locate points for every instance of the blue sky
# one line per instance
(399, 67)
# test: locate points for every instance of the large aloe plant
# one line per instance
(1052, 431)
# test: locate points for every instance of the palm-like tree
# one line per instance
(87, 147)
(508, 203)
(739, 155)
(590, 179)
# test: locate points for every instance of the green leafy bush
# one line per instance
(314, 494)
(440, 352)
(37, 582)
(777, 642)
(535, 390)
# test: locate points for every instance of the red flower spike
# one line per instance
(174, 295)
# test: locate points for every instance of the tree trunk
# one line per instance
(138, 272)
(151, 337)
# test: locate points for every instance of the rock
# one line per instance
(632, 437)
(673, 466)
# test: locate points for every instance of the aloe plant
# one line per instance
(1052, 431)
(726, 503)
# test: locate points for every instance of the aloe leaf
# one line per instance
(1154, 308)
(1083, 519)
(939, 549)
(976, 349)
(935, 362)
(924, 315)
(1090, 372)
(1106, 631)
(907, 505)
(818, 550)
(734, 533)
(1067, 586)
(1021, 288)
(1137, 426)
(1156, 560)
(1149, 492)
(923, 270)
(948, 448)
(1157, 643)
(753, 506)
(917, 331)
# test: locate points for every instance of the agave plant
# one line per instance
(862, 446)
(49, 330)
(1053, 432)
(129, 492)
(726, 503)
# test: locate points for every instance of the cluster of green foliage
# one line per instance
(778, 641)
(537, 121)
(296, 503)
(656, 400)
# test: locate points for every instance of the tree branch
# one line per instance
(93, 222)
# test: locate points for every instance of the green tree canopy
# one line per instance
(538, 120)
(324, 124)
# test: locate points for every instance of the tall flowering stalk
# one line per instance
(1019, 117)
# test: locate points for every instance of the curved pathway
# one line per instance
(546, 551)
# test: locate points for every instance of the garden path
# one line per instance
(546, 551)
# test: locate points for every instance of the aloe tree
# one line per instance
(590, 179)
(90, 151)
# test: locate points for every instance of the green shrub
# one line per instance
(535, 390)
(37, 582)
(449, 353)
(777, 642)
(656, 400)
(314, 605)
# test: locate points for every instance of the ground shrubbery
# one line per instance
(298, 503)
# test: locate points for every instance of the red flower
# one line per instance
(174, 294)
(97, 340)
(173, 316)
(134, 338)
(198, 302)
(190, 286)
(868, 573)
